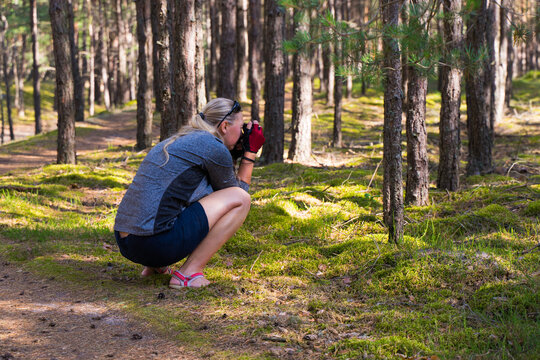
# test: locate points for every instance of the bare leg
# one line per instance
(226, 211)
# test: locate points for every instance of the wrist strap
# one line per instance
(248, 159)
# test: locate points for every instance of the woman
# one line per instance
(186, 200)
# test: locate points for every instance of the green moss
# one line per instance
(533, 208)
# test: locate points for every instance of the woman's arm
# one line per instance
(246, 167)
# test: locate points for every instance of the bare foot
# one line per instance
(147, 271)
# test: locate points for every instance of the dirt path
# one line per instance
(111, 129)
(41, 320)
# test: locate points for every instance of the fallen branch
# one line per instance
(258, 256)
(530, 250)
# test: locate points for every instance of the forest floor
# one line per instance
(310, 275)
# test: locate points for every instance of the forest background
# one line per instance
(461, 265)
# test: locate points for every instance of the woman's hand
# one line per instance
(253, 139)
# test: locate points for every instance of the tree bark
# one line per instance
(214, 45)
(500, 26)
(449, 125)
(241, 50)
(5, 52)
(226, 73)
(255, 56)
(274, 84)
(21, 69)
(35, 66)
(337, 138)
(183, 45)
(78, 84)
(61, 23)
(300, 148)
(417, 187)
(91, 61)
(200, 94)
(2, 116)
(161, 22)
(510, 66)
(478, 82)
(122, 88)
(103, 54)
(392, 162)
(144, 89)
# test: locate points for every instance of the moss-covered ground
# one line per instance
(311, 273)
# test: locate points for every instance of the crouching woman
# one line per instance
(186, 200)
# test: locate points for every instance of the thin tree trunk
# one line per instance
(5, 51)
(35, 66)
(241, 50)
(300, 148)
(226, 77)
(215, 26)
(78, 84)
(392, 162)
(417, 185)
(274, 84)
(417, 159)
(161, 18)
(91, 58)
(337, 139)
(500, 28)
(132, 54)
(478, 92)
(122, 88)
(2, 116)
(144, 89)
(404, 17)
(200, 94)
(15, 75)
(104, 56)
(61, 23)
(510, 66)
(183, 45)
(21, 69)
(449, 125)
(255, 56)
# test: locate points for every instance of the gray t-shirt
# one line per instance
(199, 163)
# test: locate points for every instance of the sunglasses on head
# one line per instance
(235, 108)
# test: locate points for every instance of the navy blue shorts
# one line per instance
(168, 247)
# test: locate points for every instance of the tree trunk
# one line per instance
(144, 89)
(61, 23)
(417, 157)
(255, 56)
(2, 116)
(417, 187)
(449, 126)
(500, 27)
(200, 94)
(241, 50)
(78, 84)
(274, 84)
(161, 20)
(35, 66)
(404, 17)
(226, 73)
(337, 139)
(5, 52)
(183, 46)
(104, 56)
(214, 45)
(14, 73)
(478, 91)
(300, 149)
(91, 63)
(510, 66)
(122, 88)
(392, 162)
(132, 55)
(21, 69)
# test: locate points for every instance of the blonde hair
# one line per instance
(213, 112)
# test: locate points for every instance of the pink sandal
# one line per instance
(185, 281)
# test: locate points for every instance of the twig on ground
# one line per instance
(258, 256)
(19, 188)
(530, 250)
(377, 259)
(373, 176)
